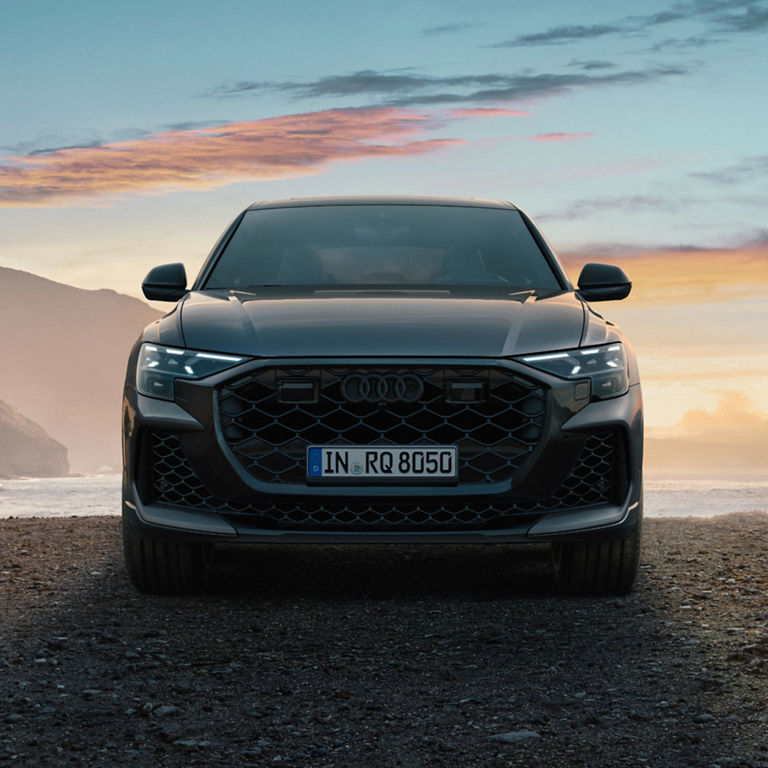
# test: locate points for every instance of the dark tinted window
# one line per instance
(357, 245)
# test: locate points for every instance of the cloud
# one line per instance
(682, 44)
(684, 274)
(488, 112)
(752, 167)
(589, 65)
(732, 437)
(446, 29)
(734, 417)
(413, 89)
(273, 148)
(626, 204)
(753, 20)
(560, 35)
(560, 136)
(719, 15)
(364, 81)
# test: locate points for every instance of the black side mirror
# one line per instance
(603, 282)
(165, 283)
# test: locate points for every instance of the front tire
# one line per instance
(597, 567)
(166, 567)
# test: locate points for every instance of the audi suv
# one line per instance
(382, 369)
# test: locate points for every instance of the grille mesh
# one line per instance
(269, 438)
(590, 482)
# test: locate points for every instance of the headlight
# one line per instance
(605, 366)
(159, 366)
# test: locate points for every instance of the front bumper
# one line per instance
(213, 518)
(609, 522)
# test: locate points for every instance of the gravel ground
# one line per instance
(389, 656)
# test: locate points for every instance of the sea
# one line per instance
(666, 495)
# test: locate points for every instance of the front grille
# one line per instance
(269, 437)
(592, 481)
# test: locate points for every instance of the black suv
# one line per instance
(382, 369)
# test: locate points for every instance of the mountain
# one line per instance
(63, 353)
(26, 449)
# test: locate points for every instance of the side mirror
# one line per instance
(165, 283)
(603, 282)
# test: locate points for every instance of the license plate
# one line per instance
(382, 462)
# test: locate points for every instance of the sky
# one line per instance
(133, 133)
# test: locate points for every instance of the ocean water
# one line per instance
(665, 495)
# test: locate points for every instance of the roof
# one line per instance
(462, 202)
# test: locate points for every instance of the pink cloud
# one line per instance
(560, 136)
(272, 148)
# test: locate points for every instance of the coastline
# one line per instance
(666, 495)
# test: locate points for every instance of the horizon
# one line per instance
(635, 139)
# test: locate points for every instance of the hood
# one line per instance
(367, 324)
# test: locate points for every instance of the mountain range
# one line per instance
(63, 353)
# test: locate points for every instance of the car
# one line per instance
(383, 370)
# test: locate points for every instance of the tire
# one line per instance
(597, 567)
(166, 567)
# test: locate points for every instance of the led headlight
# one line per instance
(605, 366)
(159, 366)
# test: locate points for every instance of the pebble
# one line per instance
(165, 710)
(192, 743)
(512, 737)
(132, 656)
(704, 717)
(12, 718)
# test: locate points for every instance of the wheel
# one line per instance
(166, 567)
(597, 567)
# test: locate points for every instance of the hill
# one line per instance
(26, 449)
(63, 352)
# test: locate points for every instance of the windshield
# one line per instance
(375, 245)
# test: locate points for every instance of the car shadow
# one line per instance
(384, 571)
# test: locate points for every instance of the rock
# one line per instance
(132, 656)
(170, 733)
(165, 710)
(193, 743)
(704, 717)
(513, 737)
(14, 718)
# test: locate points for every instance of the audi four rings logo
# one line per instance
(382, 388)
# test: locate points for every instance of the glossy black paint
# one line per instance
(167, 282)
(304, 325)
(284, 323)
(603, 282)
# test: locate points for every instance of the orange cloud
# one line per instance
(560, 136)
(273, 148)
(732, 437)
(488, 112)
(687, 276)
(734, 417)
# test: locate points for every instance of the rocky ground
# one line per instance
(392, 656)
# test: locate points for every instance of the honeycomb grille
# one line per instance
(590, 482)
(494, 436)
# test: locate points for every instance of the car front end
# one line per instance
(442, 413)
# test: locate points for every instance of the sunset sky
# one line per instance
(132, 133)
